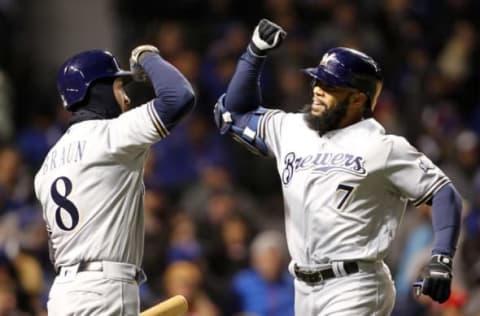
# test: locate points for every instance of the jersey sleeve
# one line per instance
(412, 173)
(270, 129)
(136, 129)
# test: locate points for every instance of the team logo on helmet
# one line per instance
(327, 58)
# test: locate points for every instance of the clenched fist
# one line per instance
(436, 278)
(266, 37)
(136, 68)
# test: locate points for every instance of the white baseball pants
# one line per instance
(369, 292)
(111, 292)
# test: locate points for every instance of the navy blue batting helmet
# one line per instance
(79, 71)
(346, 67)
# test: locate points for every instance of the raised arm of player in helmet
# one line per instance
(174, 94)
(243, 93)
(239, 110)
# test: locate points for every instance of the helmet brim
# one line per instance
(323, 75)
(127, 76)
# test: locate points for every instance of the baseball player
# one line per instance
(345, 182)
(91, 182)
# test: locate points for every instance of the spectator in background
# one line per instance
(169, 38)
(226, 254)
(182, 240)
(157, 209)
(346, 29)
(8, 300)
(14, 194)
(215, 72)
(463, 162)
(216, 194)
(185, 278)
(220, 204)
(23, 240)
(229, 250)
(265, 289)
(41, 133)
(194, 144)
(14, 182)
(14, 300)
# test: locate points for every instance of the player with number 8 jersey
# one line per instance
(90, 185)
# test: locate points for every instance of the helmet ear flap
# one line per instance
(374, 97)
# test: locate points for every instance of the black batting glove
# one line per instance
(266, 37)
(437, 278)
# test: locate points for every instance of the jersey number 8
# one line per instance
(64, 204)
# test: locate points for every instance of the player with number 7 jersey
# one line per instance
(90, 184)
(345, 181)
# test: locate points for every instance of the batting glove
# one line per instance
(266, 37)
(437, 278)
(136, 68)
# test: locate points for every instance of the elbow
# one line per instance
(184, 98)
(188, 99)
(456, 198)
(175, 108)
(448, 195)
(186, 103)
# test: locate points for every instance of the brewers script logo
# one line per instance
(322, 163)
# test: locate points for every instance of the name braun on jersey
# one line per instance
(322, 163)
(72, 152)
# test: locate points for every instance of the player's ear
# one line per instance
(359, 98)
(120, 95)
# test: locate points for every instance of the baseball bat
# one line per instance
(174, 306)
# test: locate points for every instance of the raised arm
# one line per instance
(243, 93)
(239, 110)
(174, 94)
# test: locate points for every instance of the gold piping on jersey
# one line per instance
(424, 198)
(161, 129)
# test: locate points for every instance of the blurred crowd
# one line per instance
(213, 212)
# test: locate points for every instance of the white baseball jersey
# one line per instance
(345, 192)
(91, 188)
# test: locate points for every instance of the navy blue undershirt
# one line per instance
(174, 94)
(446, 219)
(243, 92)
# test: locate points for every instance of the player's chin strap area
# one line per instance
(242, 127)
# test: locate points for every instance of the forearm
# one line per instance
(174, 94)
(446, 219)
(243, 93)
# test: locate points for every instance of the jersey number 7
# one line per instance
(348, 190)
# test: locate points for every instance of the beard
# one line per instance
(328, 120)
